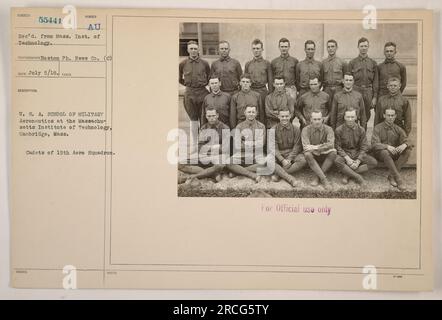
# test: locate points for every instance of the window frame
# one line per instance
(200, 40)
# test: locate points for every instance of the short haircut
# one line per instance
(391, 79)
(250, 106)
(316, 111)
(284, 109)
(390, 44)
(348, 74)
(246, 76)
(363, 39)
(257, 41)
(224, 41)
(309, 42)
(351, 109)
(278, 78)
(333, 41)
(214, 76)
(283, 40)
(390, 108)
(192, 42)
(211, 108)
(313, 78)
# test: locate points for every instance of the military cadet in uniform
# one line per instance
(308, 68)
(288, 146)
(277, 100)
(260, 72)
(315, 99)
(390, 145)
(194, 74)
(366, 76)
(391, 68)
(285, 66)
(228, 69)
(243, 98)
(346, 99)
(395, 100)
(318, 142)
(210, 163)
(334, 69)
(352, 146)
(253, 133)
(217, 99)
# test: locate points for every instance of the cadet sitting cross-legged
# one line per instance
(352, 146)
(288, 146)
(318, 142)
(210, 148)
(390, 145)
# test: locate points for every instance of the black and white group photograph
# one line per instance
(300, 110)
(221, 152)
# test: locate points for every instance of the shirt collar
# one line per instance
(215, 125)
(285, 57)
(217, 93)
(250, 123)
(278, 93)
(390, 60)
(197, 59)
(394, 95)
(287, 126)
(388, 126)
(355, 126)
(345, 90)
(225, 59)
(320, 128)
(362, 58)
(258, 59)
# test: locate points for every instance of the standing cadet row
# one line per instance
(370, 79)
